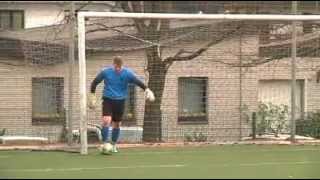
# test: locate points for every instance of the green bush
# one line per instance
(2, 132)
(309, 126)
(196, 137)
(188, 138)
(272, 118)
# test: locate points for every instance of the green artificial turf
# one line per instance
(227, 161)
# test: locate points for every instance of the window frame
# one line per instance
(202, 119)
(11, 12)
(61, 118)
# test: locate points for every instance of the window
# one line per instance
(192, 99)
(129, 114)
(186, 7)
(11, 19)
(197, 6)
(47, 101)
(308, 5)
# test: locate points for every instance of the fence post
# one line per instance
(254, 119)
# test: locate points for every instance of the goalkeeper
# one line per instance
(116, 79)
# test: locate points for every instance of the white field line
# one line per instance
(207, 151)
(93, 168)
(159, 166)
(268, 164)
(128, 152)
(133, 153)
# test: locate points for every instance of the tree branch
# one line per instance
(106, 28)
(12, 64)
(255, 63)
(178, 57)
(134, 6)
(183, 55)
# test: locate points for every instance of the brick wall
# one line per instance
(223, 91)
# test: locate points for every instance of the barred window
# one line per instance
(47, 100)
(192, 99)
(11, 19)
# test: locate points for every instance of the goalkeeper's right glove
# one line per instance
(92, 101)
(149, 95)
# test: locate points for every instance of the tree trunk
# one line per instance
(153, 115)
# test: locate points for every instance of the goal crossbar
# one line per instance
(200, 16)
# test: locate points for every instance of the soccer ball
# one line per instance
(106, 148)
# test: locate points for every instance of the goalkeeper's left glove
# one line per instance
(92, 101)
(149, 95)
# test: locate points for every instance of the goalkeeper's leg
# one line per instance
(115, 135)
(106, 120)
(117, 113)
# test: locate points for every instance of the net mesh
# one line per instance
(209, 75)
(214, 80)
(34, 94)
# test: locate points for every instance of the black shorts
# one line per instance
(113, 108)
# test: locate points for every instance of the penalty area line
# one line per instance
(94, 168)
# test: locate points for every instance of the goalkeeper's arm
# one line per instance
(135, 80)
(95, 82)
(92, 96)
(148, 93)
(139, 83)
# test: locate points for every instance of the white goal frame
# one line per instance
(82, 54)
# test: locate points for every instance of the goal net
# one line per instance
(216, 78)
(209, 73)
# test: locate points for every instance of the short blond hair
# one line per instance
(118, 61)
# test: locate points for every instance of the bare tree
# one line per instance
(157, 66)
(151, 32)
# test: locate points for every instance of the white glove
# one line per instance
(149, 95)
(92, 101)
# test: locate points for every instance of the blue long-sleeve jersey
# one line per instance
(116, 84)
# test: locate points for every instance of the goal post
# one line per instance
(82, 44)
(82, 84)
